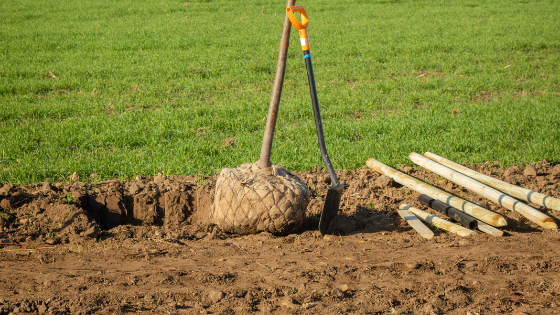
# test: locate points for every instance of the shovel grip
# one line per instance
(300, 26)
(304, 20)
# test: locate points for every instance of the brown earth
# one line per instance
(144, 246)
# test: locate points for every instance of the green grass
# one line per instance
(174, 79)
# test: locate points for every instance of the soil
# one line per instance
(145, 246)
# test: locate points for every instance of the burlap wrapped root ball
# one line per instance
(249, 200)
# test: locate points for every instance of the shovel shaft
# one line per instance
(334, 194)
(318, 122)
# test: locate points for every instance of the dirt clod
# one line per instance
(6, 203)
(48, 187)
(134, 189)
(384, 182)
(413, 265)
(555, 171)
(307, 306)
(288, 302)
(216, 296)
(511, 171)
(92, 232)
(160, 178)
(530, 170)
(337, 293)
(6, 190)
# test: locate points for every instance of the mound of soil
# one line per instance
(145, 246)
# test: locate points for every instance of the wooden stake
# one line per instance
(512, 190)
(485, 191)
(488, 229)
(469, 208)
(416, 224)
(438, 222)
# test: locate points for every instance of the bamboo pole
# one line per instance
(469, 208)
(438, 222)
(485, 191)
(512, 190)
(416, 224)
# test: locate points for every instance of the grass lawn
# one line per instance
(121, 88)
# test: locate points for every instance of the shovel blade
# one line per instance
(330, 210)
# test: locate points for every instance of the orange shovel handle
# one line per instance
(294, 20)
(301, 27)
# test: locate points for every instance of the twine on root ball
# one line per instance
(250, 200)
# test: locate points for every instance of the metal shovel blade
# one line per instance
(330, 210)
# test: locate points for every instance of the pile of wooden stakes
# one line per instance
(468, 213)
